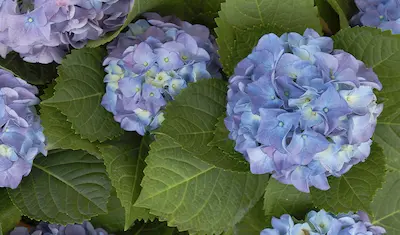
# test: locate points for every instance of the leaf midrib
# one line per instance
(65, 182)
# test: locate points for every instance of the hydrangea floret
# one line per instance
(301, 111)
(383, 14)
(55, 229)
(322, 222)
(21, 134)
(42, 31)
(150, 64)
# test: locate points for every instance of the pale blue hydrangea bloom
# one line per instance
(42, 31)
(150, 64)
(54, 229)
(301, 111)
(322, 223)
(21, 134)
(383, 14)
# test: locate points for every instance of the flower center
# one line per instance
(304, 136)
(151, 94)
(166, 59)
(326, 109)
(145, 64)
(184, 57)
(286, 93)
(30, 19)
(281, 124)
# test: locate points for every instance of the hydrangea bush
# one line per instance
(150, 64)
(42, 31)
(205, 117)
(302, 111)
(383, 14)
(321, 223)
(21, 135)
(55, 229)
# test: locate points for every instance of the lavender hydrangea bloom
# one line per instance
(383, 14)
(21, 135)
(150, 64)
(54, 229)
(301, 111)
(322, 222)
(42, 31)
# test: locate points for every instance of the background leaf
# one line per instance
(64, 187)
(114, 220)
(282, 199)
(345, 9)
(354, 190)
(328, 16)
(153, 228)
(124, 162)
(241, 24)
(36, 74)
(194, 11)
(78, 95)
(252, 223)
(9, 214)
(58, 131)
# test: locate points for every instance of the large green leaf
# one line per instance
(191, 121)
(194, 11)
(193, 185)
(241, 24)
(192, 194)
(345, 9)
(64, 187)
(386, 204)
(124, 162)
(282, 199)
(354, 190)
(9, 214)
(114, 220)
(58, 131)
(36, 74)
(78, 95)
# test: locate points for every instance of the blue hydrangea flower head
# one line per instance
(54, 229)
(21, 134)
(150, 64)
(322, 222)
(383, 14)
(301, 111)
(42, 31)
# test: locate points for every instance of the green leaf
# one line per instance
(221, 139)
(252, 223)
(190, 121)
(329, 17)
(345, 9)
(386, 204)
(78, 95)
(192, 194)
(354, 190)
(124, 162)
(153, 228)
(58, 131)
(194, 11)
(242, 23)
(282, 199)
(114, 220)
(36, 74)
(64, 187)
(9, 214)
